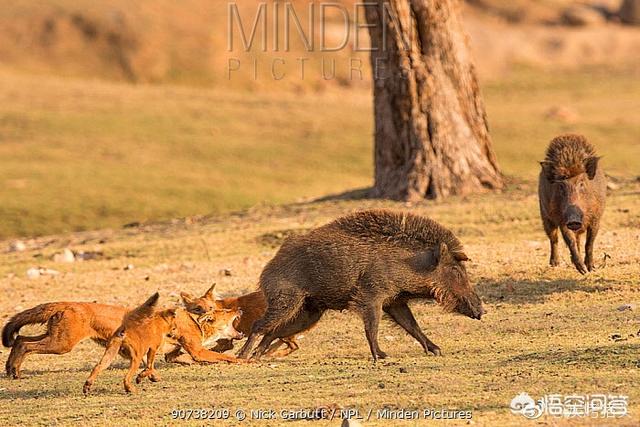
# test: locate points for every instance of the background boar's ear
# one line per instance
(443, 253)
(591, 166)
(547, 170)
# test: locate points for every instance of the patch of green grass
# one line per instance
(78, 155)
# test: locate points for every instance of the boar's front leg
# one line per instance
(401, 313)
(552, 232)
(592, 232)
(572, 242)
(371, 317)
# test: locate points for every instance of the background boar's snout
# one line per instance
(573, 218)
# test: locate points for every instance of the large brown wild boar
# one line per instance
(370, 262)
(572, 190)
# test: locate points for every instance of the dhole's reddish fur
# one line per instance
(252, 306)
(141, 334)
(68, 323)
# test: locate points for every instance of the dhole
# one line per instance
(68, 323)
(252, 306)
(141, 333)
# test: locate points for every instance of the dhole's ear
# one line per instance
(591, 166)
(211, 293)
(547, 170)
(186, 298)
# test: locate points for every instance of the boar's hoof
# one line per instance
(436, 351)
(553, 262)
(580, 266)
(381, 354)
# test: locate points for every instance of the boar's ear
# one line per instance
(211, 293)
(591, 166)
(443, 253)
(461, 256)
(186, 298)
(547, 169)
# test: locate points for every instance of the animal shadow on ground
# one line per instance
(614, 354)
(514, 291)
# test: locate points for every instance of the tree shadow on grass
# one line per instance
(513, 291)
(356, 194)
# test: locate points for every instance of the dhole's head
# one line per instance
(201, 305)
(219, 324)
(451, 287)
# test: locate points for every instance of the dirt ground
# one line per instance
(548, 330)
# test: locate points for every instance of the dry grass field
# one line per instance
(115, 112)
(547, 330)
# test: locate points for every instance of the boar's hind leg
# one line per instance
(592, 232)
(305, 319)
(402, 315)
(572, 242)
(371, 317)
(552, 232)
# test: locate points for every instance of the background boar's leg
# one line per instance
(403, 316)
(371, 318)
(552, 233)
(572, 242)
(592, 231)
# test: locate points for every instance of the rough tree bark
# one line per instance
(431, 133)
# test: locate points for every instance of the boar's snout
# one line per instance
(471, 307)
(573, 218)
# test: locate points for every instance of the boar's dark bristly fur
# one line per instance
(370, 262)
(572, 189)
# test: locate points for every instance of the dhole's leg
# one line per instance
(64, 331)
(592, 232)
(135, 364)
(273, 348)
(371, 317)
(571, 241)
(194, 347)
(552, 233)
(149, 371)
(18, 354)
(291, 343)
(403, 316)
(110, 353)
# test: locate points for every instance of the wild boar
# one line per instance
(572, 189)
(369, 262)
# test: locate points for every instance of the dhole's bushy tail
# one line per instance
(38, 314)
(145, 310)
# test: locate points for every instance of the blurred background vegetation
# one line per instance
(114, 111)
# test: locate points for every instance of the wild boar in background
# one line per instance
(572, 191)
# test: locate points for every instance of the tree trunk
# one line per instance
(432, 138)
